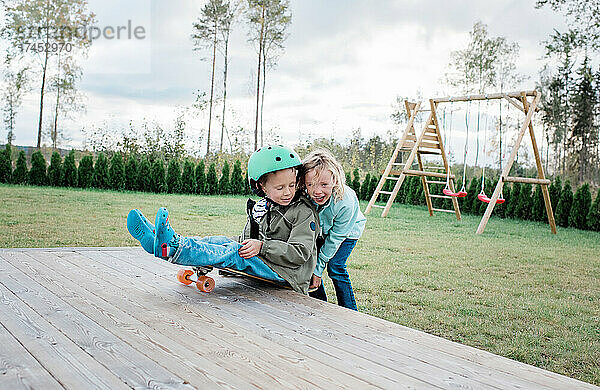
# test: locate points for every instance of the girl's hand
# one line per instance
(315, 282)
(250, 248)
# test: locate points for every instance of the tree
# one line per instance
(563, 210)
(132, 174)
(584, 135)
(582, 202)
(555, 190)
(144, 178)
(70, 170)
(524, 203)
(593, 218)
(158, 182)
(206, 35)
(101, 178)
(14, 87)
(582, 15)
(188, 179)
(173, 177)
(268, 20)
(212, 184)
(469, 200)
(200, 178)
(237, 180)
(20, 173)
(224, 187)
(37, 173)
(52, 24)
(5, 164)
(85, 171)
(55, 170)
(116, 172)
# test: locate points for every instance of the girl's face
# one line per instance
(280, 186)
(319, 185)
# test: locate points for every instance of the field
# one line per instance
(517, 290)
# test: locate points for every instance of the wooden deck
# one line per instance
(116, 318)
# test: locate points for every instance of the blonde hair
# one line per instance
(323, 159)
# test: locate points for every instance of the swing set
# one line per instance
(429, 142)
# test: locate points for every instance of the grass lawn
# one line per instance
(517, 290)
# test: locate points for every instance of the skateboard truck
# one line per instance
(204, 283)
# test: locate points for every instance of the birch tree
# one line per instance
(16, 84)
(41, 29)
(206, 34)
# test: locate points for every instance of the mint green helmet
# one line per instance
(270, 159)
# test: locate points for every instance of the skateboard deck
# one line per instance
(206, 284)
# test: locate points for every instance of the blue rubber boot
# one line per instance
(141, 229)
(166, 240)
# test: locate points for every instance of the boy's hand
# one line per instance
(315, 282)
(250, 248)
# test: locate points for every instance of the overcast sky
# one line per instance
(344, 64)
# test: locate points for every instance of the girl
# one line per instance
(342, 223)
(278, 241)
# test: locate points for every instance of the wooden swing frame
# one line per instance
(520, 100)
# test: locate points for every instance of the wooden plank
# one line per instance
(212, 337)
(444, 211)
(393, 355)
(20, 370)
(465, 98)
(332, 316)
(62, 358)
(131, 367)
(522, 375)
(441, 197)
(412, 172)
(291, 336)
(167, 351)
(528, 180)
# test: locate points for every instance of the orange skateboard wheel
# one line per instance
(205, 284)
(183, 276)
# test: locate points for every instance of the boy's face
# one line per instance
(319, 185)
(280, 186)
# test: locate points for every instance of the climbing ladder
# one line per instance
(429, 142)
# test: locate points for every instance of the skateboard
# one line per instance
(206, 284)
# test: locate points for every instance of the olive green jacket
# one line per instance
(289, 235)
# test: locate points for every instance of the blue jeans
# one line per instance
(336, 269)
(220, 252)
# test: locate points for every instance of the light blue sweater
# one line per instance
(339, 220)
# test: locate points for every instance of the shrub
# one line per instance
(374, 183)
(506, 194)
(200, 178)
(524, 204)
(174, 176)
(511, 207)
(593, 218)
(582, 202)
(563, 210)
(158, 182)
(55, 170)
(116, 172)
(538, 208)
(5, 165)
(188, 179)
(37, 174)
(19, 176)
(101, 172)
(132, 174)
(224, 188)
(236, 182)
(364, 188)
(472, 191)
(348, 179)
(144, 177)
(70, 170)
(356, 182)
(212, 184)
(85, 172)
